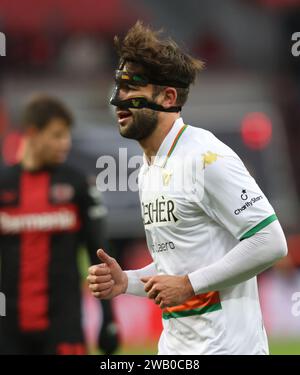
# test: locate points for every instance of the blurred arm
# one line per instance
(93, 218)
(94, 232)
(94, 235)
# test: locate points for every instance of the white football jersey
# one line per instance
(198, 201)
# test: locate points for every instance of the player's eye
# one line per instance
(133, 87)
(128, 87)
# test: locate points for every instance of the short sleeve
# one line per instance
(232, 197)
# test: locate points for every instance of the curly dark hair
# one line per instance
(160, 59)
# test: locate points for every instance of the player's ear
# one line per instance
(31, 131)
(170, 97)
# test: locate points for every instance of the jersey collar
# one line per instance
(169, 143)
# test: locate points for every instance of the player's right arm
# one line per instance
(107, 280)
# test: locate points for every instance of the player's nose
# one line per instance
(122, 93)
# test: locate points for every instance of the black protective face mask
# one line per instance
(138, 103)
(131, 79)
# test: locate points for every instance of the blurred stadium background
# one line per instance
(249, 96)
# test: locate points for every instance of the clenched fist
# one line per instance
(168, 290)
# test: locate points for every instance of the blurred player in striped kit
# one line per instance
(47, 211)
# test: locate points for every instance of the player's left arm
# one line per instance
(246, 260)
(228, 187)
(249, 258)
(234, 200)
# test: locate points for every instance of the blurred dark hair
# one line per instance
(161, 59)
(41, 109)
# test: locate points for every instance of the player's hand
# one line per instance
(106, 280)
(167, 291)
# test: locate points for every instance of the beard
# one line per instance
(142, 124)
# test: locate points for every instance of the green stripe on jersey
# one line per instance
(199, 311)
(259, 226)
(176, 140)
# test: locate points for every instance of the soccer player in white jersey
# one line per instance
(210, 235)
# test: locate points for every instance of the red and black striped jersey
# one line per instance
(44, 217)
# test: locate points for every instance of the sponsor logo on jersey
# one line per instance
(161, 211)
(62, 193)
(244, 195)
(209, 158)
(247, 204)
(8, 196)
(59, 220)
(166, 177)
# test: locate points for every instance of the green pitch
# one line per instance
(285, 346)
(277, 347)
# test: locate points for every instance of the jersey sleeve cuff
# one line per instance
(198, 281)
(259, 227)
(135, 286)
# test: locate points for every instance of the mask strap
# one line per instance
(139, 103)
